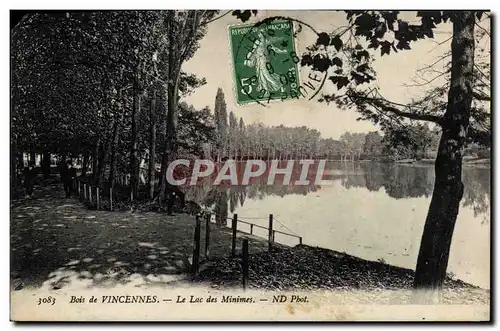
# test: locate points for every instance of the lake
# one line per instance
(370, 210)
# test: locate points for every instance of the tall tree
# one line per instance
(152, 145)
(220, 111)
(184, 30)
(448, 189)
(388, 32)
(233, 135)
(241, 137)
(373, 144)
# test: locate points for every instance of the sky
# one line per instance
(213, 61)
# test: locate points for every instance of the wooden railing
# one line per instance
(207, 215)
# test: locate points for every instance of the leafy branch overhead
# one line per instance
(76, 72)
(244, 15)
(348, 53)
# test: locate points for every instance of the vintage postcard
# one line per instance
(250, 165)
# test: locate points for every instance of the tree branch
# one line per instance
(191, 36)
(413, 116)
(485, 31)
(428, 81)
(481, 97)
(441, 58)
(216, 18)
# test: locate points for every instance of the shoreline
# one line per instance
(483, 163)
(314, 268)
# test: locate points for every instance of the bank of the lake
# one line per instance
(468, 161)
(307, 268)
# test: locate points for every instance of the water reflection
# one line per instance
(397, 181)
(405, 181)
(226, 199)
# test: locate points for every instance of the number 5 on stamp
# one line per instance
(264, 61)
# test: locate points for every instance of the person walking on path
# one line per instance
(29, 179)
(68, 174)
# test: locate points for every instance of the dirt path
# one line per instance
(56, 242)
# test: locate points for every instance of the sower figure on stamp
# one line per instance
(267, 80)
(29, 179)
(68, 174)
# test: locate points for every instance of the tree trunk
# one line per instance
(134, 148)
(152, 146)
(85, 163)
(95, 158)
(174, 67)
(221, 207)
(114, 147)
(163, 134)
(100, 161)
(103, 158)
(14, 167)
(448, 187)
(114, 142)
(46, 164)
(170, 145)
(33, 158)
(20, 159)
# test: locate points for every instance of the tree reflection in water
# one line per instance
(408, 181)
(398, 182)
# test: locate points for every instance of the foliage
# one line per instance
(244, 15)
(373, 144)
(348, 52)
(220, 111)
(77, 75)
(196, 128)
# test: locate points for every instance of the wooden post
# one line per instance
(245, 263)
(97, 197)
(274, 235)
(90, 194)
(84, 192)
(111, 198)
(131, 195)
(270, 234)
(207, 237)
(300, 239)
(234, 226)
(251, 228)
(196, 248)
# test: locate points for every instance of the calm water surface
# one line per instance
(373, 211)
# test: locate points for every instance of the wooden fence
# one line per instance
(195, 267)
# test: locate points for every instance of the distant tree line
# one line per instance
(236, 140)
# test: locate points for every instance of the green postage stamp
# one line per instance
(265, 61)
